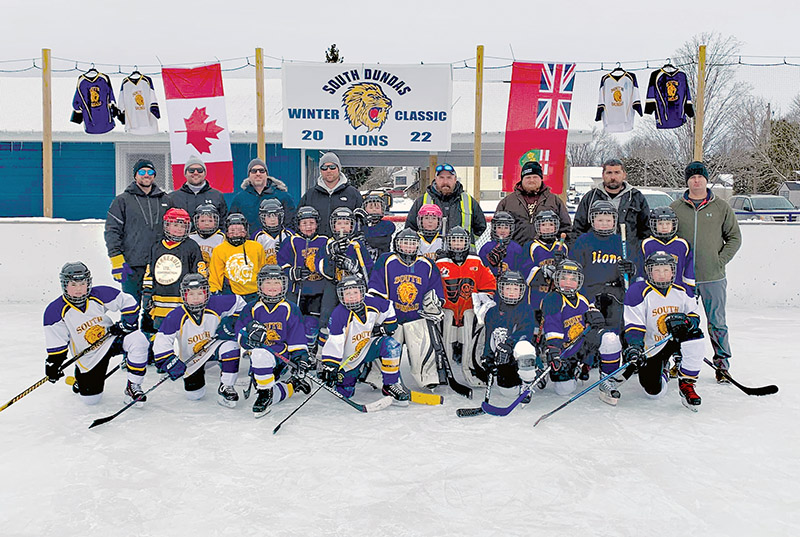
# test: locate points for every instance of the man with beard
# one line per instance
(529, 198)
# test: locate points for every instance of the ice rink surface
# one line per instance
(178, 467)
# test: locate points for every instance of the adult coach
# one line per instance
(530, 197)
(259, 186)
(196, 190)
(457, 206)
(331, 192)
(709, 226)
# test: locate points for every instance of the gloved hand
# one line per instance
(626, 266)
(594, 318)
(504, 353)
(379, 331)
(634, 354)
(303, 362)
(147, 303)
(558, 256)
(336, 248)
(346, 264)
(52, 366)
(297, 274)
(329, 373)
(361, 215)
(120, 269)
(497, 254)
(489, 364)
(227, 328)
(549, 271)
(122, 328)
(554, 358)
(173, 367)
(256, 334)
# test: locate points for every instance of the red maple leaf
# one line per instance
(198, 132)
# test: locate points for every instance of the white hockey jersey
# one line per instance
(208, 244)
(271, 244)
(429, 249)
(646, 307)
(350, 336)
(137, 99)
(618, 100)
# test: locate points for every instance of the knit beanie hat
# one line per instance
(257, 162)
(531, 167)
(695, 168)
(193, 161)
(143, 163)
(330, 158)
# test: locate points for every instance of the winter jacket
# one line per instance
(524, 214)
(248, 201)
(184, 198)
(712, 231)
(325, 201)
(134, 223)
(451, 209)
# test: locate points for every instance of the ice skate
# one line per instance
(608, 391)
(689, 397)
(133, 392)
(263, 403)
(227, 396)
(398, 392)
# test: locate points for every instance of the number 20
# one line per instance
(308, 135)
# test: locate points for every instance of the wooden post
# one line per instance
(699, 112)
(433, 161)
(476, 184)
(262, 147)
(47, 136)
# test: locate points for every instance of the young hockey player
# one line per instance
(171, 259)
(298, 258)
(377, 231)
(655, 309)
(272, 233)
(468, 288)
(77, 319)
(541, 257)
(270, 327)
(414, 286)
(429, 222)
(501, 253)
(359, 331)
(235, 263)
(201, 320)
(206, 233)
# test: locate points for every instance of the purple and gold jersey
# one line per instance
(271, 244)
(512, 261)
(538, 255)
(208, 244)
(298, 251)
(563, 320)
(669, 98)
(357, 250)
(350, 335)
(92, 103)
(646, 308)
(428, 249)
(681, 251)
(405, 285)
(283, 323)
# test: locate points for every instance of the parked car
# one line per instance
(763, 207)
(656, 198)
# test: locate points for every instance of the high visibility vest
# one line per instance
(466, 209)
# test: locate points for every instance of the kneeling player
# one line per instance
(78, 319)
(194, 326)
(270, 327)
(359, 330)
(654, 309)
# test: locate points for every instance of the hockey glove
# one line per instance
(122, 328)
(626, 267)
(337, 248)
(594, 318)
(147, 303)
(120, 270)
(298, 274)
(303, 363)
(634, 354)
(554, 358)
(256, 334)
(682, 327)
(361, 215)
(173, 367)
(504, 353)
(52, 366)
(379, 331)
(329, 373)
(549, 272)
(558, 257)
(226, 329)
(496, 255)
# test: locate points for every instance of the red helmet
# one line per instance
(176, 216)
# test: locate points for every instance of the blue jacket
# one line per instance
(248, 201)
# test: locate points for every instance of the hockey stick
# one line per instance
(191, 361)
(624, 236)
(423, 398)
(293, 412)
(441, 355)
(761, 390)
(477, 411)
(647, 352)
(94, 346)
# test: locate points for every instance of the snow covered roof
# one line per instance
(791, 185)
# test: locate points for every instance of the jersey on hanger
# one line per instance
(617, 102)
(669, 98)
(93, 102)
(137, 100)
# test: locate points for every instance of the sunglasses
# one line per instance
(258, 170)
(142, 173)
(328, 167)
(195, 170)
(445, 168)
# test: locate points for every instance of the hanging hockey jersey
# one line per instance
(66, 326)
(94, 104)
(460, 281)
(563, 320)
(350, 335)
(618, 101)
(405, 285)
(296, 252)
(512, 260)
(428, 249)
(169, 263)
(208, 244)
(669, 98)
(284, 325)
(271, 244)
(138, 104)
(599, 256)
(681, 251)
(538, 255)
(645, 310)
(190, 335)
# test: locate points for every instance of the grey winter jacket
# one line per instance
(134, 223)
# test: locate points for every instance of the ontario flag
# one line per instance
(198, 124)
(538, 121)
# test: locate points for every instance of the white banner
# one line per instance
(369, 107)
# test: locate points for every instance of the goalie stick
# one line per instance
(761, 390)
(441, 358)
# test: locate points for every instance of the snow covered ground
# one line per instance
(177, 467)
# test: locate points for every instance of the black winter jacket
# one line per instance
(451, 209)
(344, 195)
(134, 223)
(184, 198)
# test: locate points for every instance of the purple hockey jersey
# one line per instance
(94, 103)
(681, 251)
(669, 98)
(405, 285)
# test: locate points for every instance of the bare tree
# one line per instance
(381, 177)
(601, 147)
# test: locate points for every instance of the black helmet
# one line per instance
(457, 248)
(342, 213)
(191, 282)
(663, 214)
(304, 213)
(603, 207)
(75, 272)
(502, 218)
(205, 209)
(271, 272)
(375, 196)
(406, 237)
(565, 268)
(509, 281)
(233, 219)
(267, 207)
(657, 259)
(351, 282)
(541, 218)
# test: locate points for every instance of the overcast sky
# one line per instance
(404, 31)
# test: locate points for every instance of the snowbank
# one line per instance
(762, 273)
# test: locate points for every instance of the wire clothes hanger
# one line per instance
(669, 68)
(618, 70)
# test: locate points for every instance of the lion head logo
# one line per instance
(138, 98)
(407, 292)
(272, 337)
(672, 90)
(94, 333)
(574, 331)
(197, 347)
(366, 104)
(94, 96)
(616, 94)
(662, 324)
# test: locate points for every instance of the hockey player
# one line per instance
(200, 320)
(235, 263)
(206, 233)
(414, 286)
(508, 351)
(429, 222)
(359, 331)
(77, 319)
(272, 233)
(501, 253)
(468, 287)
(171, 259)
(377, 231)
(269, 327)
(657, 308)
(663, 238)
(298, 258)
(541, 257)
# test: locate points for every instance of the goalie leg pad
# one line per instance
(421, 357)
(472, 338)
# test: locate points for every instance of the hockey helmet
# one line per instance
(406, 245)
(502, 219)
(430, 210)
(661, 215)
(568, 277)
(206, 220)
(546, 217)
(271, 207)
(273, 293)
(377, 201)
(75, 272)
(236, 236)
(456, 242)
(656, 277)
(342, 214)
(511, 287)
(176, 224)
(193, 301)
(603, 207)
(306, 212)
(347, 297)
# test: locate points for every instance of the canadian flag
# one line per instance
(198, 124)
